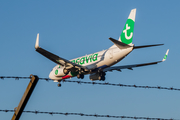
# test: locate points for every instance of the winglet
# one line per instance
(37, 41)
(165, 55)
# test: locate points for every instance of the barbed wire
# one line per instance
(89, 115)
(97, 83)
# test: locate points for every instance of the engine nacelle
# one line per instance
(97, 76)
(61, 72)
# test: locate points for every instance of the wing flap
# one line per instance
(118, 68)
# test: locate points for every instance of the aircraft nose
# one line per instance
(53, 77)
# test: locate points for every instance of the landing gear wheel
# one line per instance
(65, 71)
(80, 76)
(99, 78)
(103, 78)
(59, 85)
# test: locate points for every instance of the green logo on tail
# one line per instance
(127, 33)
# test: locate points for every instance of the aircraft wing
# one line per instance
(58, 60)
(118, 68)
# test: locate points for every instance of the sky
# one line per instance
(71, 29)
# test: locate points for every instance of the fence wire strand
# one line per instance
(89, 115)
(93, 83)
(98, 83)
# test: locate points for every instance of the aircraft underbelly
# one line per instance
(116, 55)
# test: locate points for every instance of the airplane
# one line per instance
(98, 63)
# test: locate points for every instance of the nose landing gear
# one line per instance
(59, 85)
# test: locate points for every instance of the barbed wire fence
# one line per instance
(92, 83)
(98, 83)
(90, 115)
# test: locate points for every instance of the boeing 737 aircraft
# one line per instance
(97, 64)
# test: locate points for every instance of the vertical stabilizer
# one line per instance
(127, 33)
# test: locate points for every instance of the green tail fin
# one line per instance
(127, 33)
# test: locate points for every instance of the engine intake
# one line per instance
(61, 72)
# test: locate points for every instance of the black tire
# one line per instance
(82, 76)
(103, 78)
(103, 74)
(59, 85)
(79, 76)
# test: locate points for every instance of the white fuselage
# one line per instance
(102, 59)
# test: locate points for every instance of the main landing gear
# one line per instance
(80, 76)
(102, 76)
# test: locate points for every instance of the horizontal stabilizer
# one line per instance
(143, 46)
(119, 44)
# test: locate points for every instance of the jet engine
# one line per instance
(61, 72)
(97, 76)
